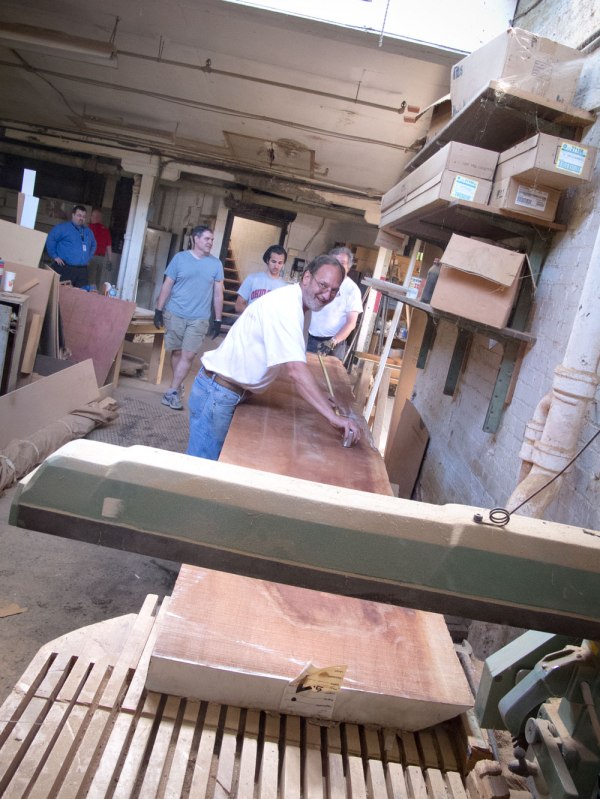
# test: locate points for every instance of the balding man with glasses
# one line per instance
(268, 340)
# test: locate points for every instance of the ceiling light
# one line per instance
(98, 125)
(27, 37)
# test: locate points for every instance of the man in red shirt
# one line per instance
(100, 265)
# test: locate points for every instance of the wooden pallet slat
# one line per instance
(249, 755)
(268, 775)
(204, 756)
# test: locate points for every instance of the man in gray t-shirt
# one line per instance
(193, 284)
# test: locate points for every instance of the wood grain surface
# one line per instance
(233, 639)
(279, 432)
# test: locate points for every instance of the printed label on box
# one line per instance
(571, 158)
(532, 198)
(464, 188)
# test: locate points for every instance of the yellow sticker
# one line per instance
(313, 692)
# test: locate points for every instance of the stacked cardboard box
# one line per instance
(522, 61)
(456, 172)
(530, 175)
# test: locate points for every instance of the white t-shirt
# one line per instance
(267, 335)
(257, 284)
(332, 317)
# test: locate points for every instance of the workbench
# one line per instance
(143, 326)
(81, 723)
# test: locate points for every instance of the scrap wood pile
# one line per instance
(20, 456)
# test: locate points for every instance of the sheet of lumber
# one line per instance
(531, 573)
(32, 407)
(279, 432)
(94, 326)
(32, 338)
(401, 668)
(408, 375)
(21, 245)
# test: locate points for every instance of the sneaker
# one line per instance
(181, 392)
(171, 398)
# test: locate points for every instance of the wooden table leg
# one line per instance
(157, 358)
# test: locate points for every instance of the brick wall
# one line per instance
(463, 463)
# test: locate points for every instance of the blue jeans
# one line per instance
(211, 411)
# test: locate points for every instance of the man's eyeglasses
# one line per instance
(324, 286)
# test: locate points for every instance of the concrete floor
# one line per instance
(63, 585)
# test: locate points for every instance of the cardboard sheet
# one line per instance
(20, 244)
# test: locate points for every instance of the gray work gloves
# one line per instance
(327, 347)
(158, 319)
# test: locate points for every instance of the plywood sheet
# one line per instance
(241, 641)
(36, 284)
(94, 327)
(279, 432)
(32, 407)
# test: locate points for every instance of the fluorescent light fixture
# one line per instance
(99, 125)
(43, 40)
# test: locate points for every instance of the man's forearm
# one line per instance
(345, 331)
(309, 389)
(218, 300)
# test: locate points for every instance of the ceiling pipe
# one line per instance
(574, 387)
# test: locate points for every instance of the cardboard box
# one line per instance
(439, 191)
(518, 195)
(468, 161)
(523, 61)
(549, 161)
(479, 281)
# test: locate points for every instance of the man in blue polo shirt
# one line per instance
(71, 245)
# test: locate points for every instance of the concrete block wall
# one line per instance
(466, 465)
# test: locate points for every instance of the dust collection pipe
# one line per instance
(574, 386)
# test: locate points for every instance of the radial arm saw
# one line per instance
(544, 687)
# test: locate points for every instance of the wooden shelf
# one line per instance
(497, 334)
(496, 119)
(500, 117)
(470, 219)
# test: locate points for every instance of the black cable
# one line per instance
(501, 517)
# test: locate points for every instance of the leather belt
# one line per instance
(223, 381)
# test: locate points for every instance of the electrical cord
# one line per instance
(500, 517)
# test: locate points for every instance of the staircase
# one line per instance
(231, 285)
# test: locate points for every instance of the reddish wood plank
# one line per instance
(236, 640)
(279, 432)
(94, 326)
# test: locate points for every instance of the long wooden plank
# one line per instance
(400, 665)
(278, 431)
(32, 407)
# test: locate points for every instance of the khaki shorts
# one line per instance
(184, 334)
